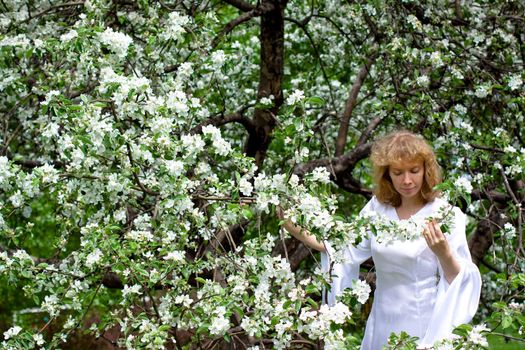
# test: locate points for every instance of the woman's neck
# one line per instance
(412, 203)
(409, 206)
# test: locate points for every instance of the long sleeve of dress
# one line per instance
(343, 274)
(457, 302)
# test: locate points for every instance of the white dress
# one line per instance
(411, 293)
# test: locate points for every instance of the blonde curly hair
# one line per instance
(403, 146)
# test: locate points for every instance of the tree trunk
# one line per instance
(270, 80)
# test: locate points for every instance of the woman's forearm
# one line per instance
(450, 266)
(304, 236)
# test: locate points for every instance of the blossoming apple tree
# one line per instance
(145, 146)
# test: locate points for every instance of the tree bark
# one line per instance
(270, 80)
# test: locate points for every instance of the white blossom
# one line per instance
(423, 81)
(321, 174)
(175, 26)
(69, 35)
(93, 257)
(245, 187)
(509, 149)
(337, 313)
(49, 97)
(51, 305)
(134, 289)
(476, 337)
(466, 126)
(361, 290)
(39, 339)
(218, 59)
(16, 199)
(482, 91)
(414, 22)
(515, 82)
(509, 231)
(11, 332)
(435, 59)
(463, 184)
(219, 324)
(295, 97)
(176, 255)
(175, 167)
(116, 41)
(193, 143)
(18, 40)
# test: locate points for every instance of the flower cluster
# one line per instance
(116, 41)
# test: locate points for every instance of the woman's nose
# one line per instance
(407, 179)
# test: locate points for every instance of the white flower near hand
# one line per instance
(11, 332)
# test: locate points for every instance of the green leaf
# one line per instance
(312, 302)
(247, 213)
(315, 100)
(506, 321)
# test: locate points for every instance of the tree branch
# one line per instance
(350, 104)
(493, 196)
(341, 169)
(365, 135)
(237, 117)
(337, 164)
(255, 12)
(270, 81)
(241, 5)
(55, 7)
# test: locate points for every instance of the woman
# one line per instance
(426, 286)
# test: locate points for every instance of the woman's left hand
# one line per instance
(436, 240)
(438, 243)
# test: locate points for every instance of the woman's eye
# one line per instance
(415, 170)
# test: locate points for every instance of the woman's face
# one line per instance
(407, 178)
